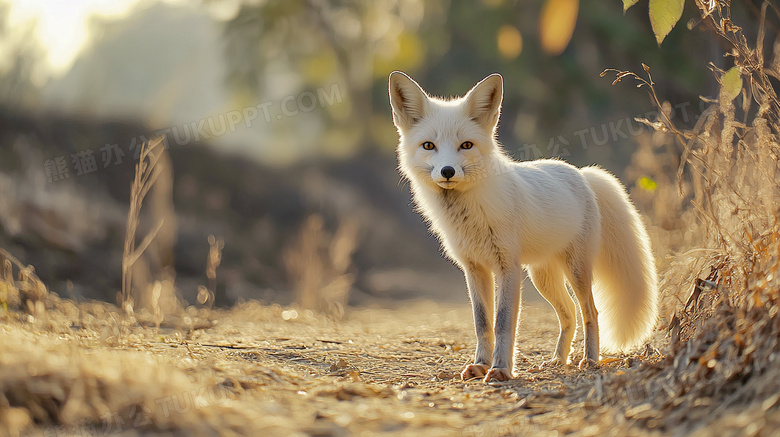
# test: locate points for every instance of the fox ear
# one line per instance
(408, 100)
(484, 101)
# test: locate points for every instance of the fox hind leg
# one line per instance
(579, 273)
(549, 280)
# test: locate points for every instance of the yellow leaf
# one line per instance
(731, 84)
(647, 184)
(556, 24)
(664, 14)
(627, 4)
(510, 41)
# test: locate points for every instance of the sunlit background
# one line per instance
(278, 125)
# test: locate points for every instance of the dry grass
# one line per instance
(723, 297)
(87, 370)
(27, 292)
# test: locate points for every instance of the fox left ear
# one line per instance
(484, 101)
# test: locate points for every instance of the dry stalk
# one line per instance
(147, 171)
(207, 296)
(318, 266)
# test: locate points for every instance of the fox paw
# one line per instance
(587, 364)
(474, 371)
(555, 362)
(497, 374)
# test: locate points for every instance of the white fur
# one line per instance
(497, 218)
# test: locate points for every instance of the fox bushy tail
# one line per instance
(625, 281)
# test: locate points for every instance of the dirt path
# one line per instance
(263, 370)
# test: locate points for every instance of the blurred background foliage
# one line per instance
(91, 73)
(168, 63)
(550, 54)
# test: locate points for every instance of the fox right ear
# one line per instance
(407, 99)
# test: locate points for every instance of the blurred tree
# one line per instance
(320, 43)
(20, 61)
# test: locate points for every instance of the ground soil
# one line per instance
(268, 370)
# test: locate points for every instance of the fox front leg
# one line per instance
(509, 283)
(481, 289)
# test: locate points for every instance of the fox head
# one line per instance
(446, 144)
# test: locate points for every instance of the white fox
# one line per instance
(498, 218)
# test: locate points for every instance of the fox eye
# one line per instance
(467, 145)
(428, 145)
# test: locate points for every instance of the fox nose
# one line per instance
(448, 172)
